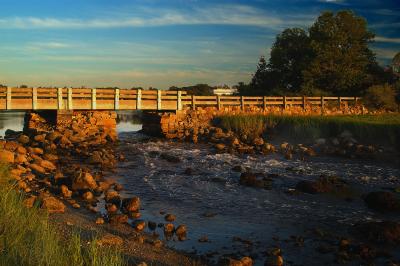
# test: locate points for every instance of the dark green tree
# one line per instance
(342, 56)
(198, 89)
(290, 55)
(396, 64)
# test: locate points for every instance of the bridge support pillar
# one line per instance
(81, 122)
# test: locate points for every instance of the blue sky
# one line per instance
(160, 43)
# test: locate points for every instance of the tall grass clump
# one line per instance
(27, 237)
(373, 128)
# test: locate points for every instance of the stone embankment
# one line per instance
(197, 126)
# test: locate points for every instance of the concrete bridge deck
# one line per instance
(136, 99)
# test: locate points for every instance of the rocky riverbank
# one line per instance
(65, 169)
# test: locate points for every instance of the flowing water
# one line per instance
(236, 219)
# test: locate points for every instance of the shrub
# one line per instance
(381, 97)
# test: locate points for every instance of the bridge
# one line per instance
(137, 99)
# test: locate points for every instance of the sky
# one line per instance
(153, 43)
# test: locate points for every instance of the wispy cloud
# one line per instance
(48, 45)
(386, 39)
(241, 15)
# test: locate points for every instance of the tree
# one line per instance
(396, 64)
(198, 89)
(290, 55)
(342, 57)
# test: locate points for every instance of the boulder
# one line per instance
(258, 142)
(169, 229)
(23, 139)
(50, 157)
(131, 204)
(181, 232)
(40, 138)
(323, 184)
(112, 197)
(139, 225)
(88, 196)
(11, 145)
(47, 165)
(111, 208)
(6, 156)
(170, 157)
(37, 168)
(255, 180)
(36, 150)
(95, 158)
(84, 180)
(53, 205)
(100, 220)
(65, 191)
(220, 146)
(385, 232)
(382, 201)
(169, 217)
(53, 136)
(21, 150)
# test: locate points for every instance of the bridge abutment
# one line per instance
(82, 123)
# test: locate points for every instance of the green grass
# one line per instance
(27, 237)
(377, 128)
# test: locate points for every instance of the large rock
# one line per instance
(53, 205)
(386, 232)
(84, 180)
(20, 158)
(11, 145)
(23, 139)
(47, 165)
(112, 197)
(6, 156)
(323, 184)
(382, 201)
(65, 191)
(37, 168)
(255, 180)
(131, 204)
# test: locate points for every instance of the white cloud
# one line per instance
(219, 15)
(386, 39)
(48, 45)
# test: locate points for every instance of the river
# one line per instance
(239, 220)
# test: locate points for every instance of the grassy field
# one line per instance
(27, 237)
(377, 128)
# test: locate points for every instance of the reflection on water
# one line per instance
(11, 120)
(126, 121)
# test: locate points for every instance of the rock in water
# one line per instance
(181, 232)
(169, 217)
(382, 201)
(131, 204)
(84, 180)
(386, 232)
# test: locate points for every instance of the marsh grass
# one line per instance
(27, 237)
(376, 128)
